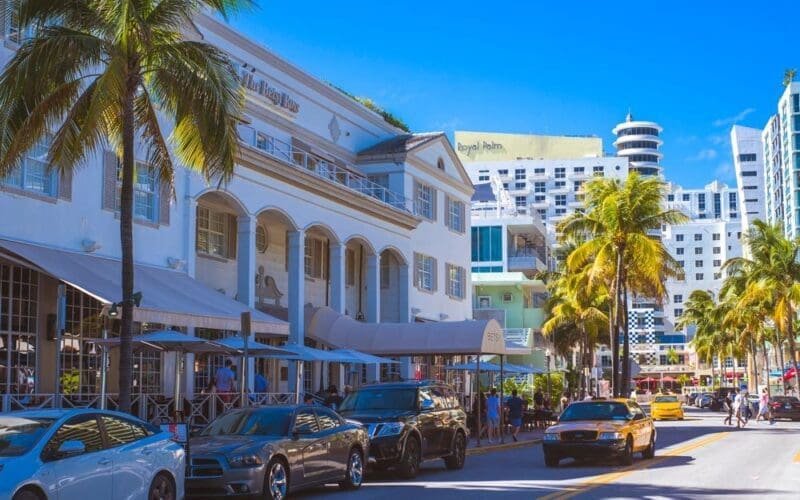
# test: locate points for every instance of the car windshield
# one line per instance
(19, 434)
(259, 422)
(666, 399)
(381, 399)
(595, 410)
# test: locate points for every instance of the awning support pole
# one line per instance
(104, 366)
(244, 373)
(478, 396)
(298, 381)
(502, 412)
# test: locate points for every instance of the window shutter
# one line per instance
(463, 283)
(417, 264)
(435, 274)
(447, 287)
(415, 197)
(463, 207)
(65, 184)
(434, 196)
(447, 221)
(233, 233)
(164, 200)
(110, 180)
(286, 251)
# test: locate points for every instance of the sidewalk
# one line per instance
(528, 438)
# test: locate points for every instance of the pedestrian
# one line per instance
(538, 399)
(484, 424)
(515, 405)
(493, 415)
(728, 404)
(589, 396)
(564, 402)
(260, 383)
(763, 405)
(739, 404)
(225, 380)
(308, 399)
(333, 400)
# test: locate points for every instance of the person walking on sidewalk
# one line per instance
(763, 405)
(728, 404)
(739, 409)
(515, 405)
(493, 415)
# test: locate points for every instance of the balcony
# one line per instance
(521, 336)
(307, 162)
(525, 262)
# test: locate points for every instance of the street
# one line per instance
(695, 458)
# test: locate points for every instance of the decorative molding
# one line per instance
(334, 129)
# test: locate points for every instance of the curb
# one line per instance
(500, 447)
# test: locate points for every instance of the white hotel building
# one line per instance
(329, 206)
(781, 142)
(748, 161)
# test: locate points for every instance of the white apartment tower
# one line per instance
(781, 142)
(639, 142)
(748, 160)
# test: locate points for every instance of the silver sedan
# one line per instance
(271, 451)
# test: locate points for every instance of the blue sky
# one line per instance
(553, 67)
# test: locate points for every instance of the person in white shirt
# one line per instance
(739, 409)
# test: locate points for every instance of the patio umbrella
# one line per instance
(367, 359)
(524, 369)
(254, 347)
(485, 367)
(668, 379)
(169, 341)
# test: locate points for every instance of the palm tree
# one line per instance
(773, 281)
(699, 311)
(619, 248)
(672, 356)
(99, 72)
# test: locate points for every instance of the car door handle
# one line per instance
(104, 461)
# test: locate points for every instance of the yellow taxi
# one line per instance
(601, 428)
(666, 406)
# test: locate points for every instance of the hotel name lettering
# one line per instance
(264, 89)
(479, 146)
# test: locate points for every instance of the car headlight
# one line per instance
(391, 429)
(249, 460)
(610, 436)
(551, 436)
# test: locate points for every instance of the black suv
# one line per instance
(409, 422)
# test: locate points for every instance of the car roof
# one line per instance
(58, 413)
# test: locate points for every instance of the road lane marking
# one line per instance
(610, 477)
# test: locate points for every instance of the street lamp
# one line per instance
(547, 358)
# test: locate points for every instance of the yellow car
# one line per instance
(666, 406)
(605, 428)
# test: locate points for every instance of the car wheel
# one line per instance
(355, 471)
(459, 452)
(27, 495)
(162, 488)
(551, 460)
(276, 485)
(650, 451)
(627, 456)
(409, 463)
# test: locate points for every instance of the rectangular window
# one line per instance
(717, 263)
(561, 211)
(701, 201)
(520, 201)
(698, 263)
(213, 231)
(145, 191)
(577, 185)
(698, 250)
(681, 263)
(747, 157)
(519, 185)
(698, 277)
(679, 251)
(456, 281)
(561, 200)
(678, 312)
(717, 205)
(316, 266)
(560, 185)
(577, 170)
(560, 172)
(538, 171)
(483, 178)
(519, 174)
(749, 173)
(425, 201)
(686, 197)
(715, 236)
(717, 250)
(32, 173)
(425, 272)
(487, 243)
(503, 172)
(539, 187)
(795, 103)
(670, 197)
(678, 237)
(539, 198)
(698, 237)
(597, 171)
(678, 299)
(455, 215)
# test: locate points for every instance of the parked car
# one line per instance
(704, 400)
(666, 406)
(409, 422)
(271, 451)
(785, 407)
(86, 453)
(615, 428)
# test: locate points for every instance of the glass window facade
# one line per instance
(487, 244)
(32, 173)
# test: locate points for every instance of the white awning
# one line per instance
(409, 339)
(168, 297)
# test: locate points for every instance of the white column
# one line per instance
(373, 282)
(189, 368)
(337, 292)
(190, 219)
(296, 298)
(246, 260)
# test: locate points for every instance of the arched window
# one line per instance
(440, 163)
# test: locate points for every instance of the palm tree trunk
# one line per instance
(752, 377)
(626, 346)
(779, 355)
(793, 350)
(766, 363)
(612, 339)
(616, 321)
(126, 240)
(735, 366)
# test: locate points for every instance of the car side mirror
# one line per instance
(70, 448)
(426, 405)
(638, 416)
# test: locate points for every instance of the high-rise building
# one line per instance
(781, 142)
(639, 142)
(748, 160)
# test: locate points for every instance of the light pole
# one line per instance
(547, 358)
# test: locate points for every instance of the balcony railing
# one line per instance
(324, 169)
(522, 336)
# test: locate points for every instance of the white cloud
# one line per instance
(721, 122)
(724, 172)
(719, 139)
(703, 155)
